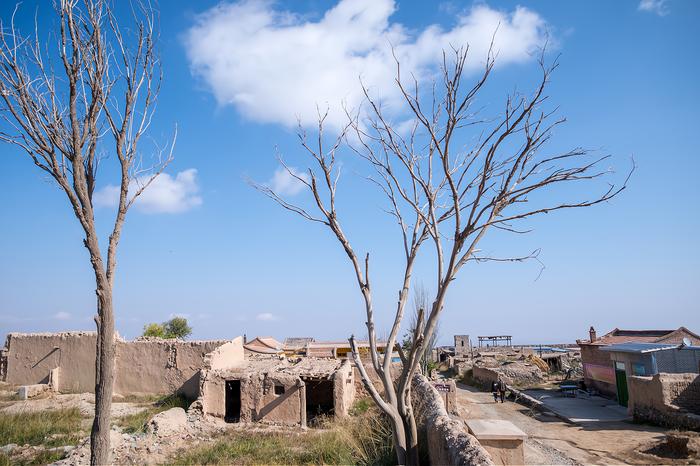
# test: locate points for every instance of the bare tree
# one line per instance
(443, 195)
(421, 302)
(96, 100)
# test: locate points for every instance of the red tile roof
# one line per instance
(617, 336)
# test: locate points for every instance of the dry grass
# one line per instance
(48, 428)
(362, 438)
(137, 422)
(45, 428)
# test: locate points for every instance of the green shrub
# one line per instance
(361, 406)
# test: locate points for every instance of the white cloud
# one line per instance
(62, 315)
(266, 316)
(275, 66)
(659, 7)
(283, 183)
(164, 195)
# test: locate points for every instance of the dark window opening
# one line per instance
(233, 401)
(279, 389)
(319, 399)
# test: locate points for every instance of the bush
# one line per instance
(177, 327)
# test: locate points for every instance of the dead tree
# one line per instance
(85, 93)
(442, 195)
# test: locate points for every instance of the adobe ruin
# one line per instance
(226, 380)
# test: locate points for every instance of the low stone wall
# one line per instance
(484, 376)
(448, 440)
(671, 400)
(142, 366)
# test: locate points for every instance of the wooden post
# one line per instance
(302, 403)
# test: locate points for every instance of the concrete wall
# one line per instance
(142, 366)
(447, 439)
(671, 400)
(598, 371)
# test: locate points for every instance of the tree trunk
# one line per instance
(104, 375)
(397, 427)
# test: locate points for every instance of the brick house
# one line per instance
(598, 370)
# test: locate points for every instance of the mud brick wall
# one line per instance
(142, 366)
(671, 400)
(447, 440)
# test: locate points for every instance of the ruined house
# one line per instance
(463, 346)
(276, 390)
(67, 360)
(601, 374)
(236, 383)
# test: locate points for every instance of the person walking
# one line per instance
(495, 390)
(502, 390)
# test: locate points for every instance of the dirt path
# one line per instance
(552, 441)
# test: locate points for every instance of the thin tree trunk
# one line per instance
(397, 427)
(104, 376)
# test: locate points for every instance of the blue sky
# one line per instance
(204, 244)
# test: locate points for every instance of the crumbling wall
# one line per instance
(260, 400)
(160, 366)
(279, 408)
(447, 439)
(226, 356)
(671, 400)
(3, 363)
(462, 346)
(343, 389)
(485, 376)
(142, 366)
(32, 356)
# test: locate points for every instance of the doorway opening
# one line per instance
(319, 399)
(621, 382)
(233, 401)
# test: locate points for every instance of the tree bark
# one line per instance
(104, 374)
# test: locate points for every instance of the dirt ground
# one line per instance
(85, 402)
(552, 441)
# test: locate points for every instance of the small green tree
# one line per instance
(154, 330)
(177, 327)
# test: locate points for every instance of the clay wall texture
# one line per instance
(142, 366)
(225, 356)
(485, 376)
(258, 378)
(462, 346)
(32, 356)
(448, 440)
(671, 400)
(344, 389)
